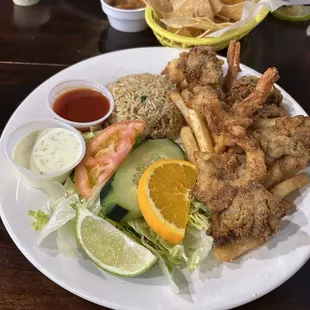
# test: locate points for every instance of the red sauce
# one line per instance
(82, 105)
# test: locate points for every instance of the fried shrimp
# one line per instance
(248, 149)
(233, 60)
(219, 177)
(254, 212)
(199, 66)
(248, 106)
(244, 86)
(290, 136)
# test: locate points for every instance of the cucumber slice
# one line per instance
(109, 206)
(127, 176)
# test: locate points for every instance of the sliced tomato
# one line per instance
(104, 153)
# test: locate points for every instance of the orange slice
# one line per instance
(164, 197)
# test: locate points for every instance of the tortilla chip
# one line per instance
(193, 8)
(233, 12)
(216, 6)
(204, 9)
(195, 18)
(181, 22)
(160, 7)
(176, 4)
(195, 32)
(185, 32)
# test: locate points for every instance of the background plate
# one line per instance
(215, 286)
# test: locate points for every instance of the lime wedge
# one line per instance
(293, 13)
(109, 248)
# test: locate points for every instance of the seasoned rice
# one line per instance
(146, 97)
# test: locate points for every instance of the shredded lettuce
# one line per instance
(190, 253)
(40, 219)
(63, 213)
(199, 206)
(66, 240)
(199, 221)
(69, 187)
(90, 134)
(173, 255)
(197, 245)
(168, 274)
(59, 212)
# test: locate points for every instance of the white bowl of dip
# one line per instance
(124, 20)
(45, 150)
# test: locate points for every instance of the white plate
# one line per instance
(216, 286)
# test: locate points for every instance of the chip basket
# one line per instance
(167, 38)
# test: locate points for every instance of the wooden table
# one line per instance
(39, 41)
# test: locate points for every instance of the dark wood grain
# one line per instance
(37, 42)
(61, 32)
(17, 81)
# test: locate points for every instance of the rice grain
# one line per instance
(146, 97)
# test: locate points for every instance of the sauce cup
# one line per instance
(124, 20)
(67, 86)
(37, 179)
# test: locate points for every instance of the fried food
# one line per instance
(243, 87)
(263, 123)
(208, 105)
(174, 74)
(233, 60)
(220, 118)
(288, 186)
(253, 213)
(199, 66)
(196, 123)
(189, 143)
(231, 251)
(196, 18)
(220, 177)
(290, 136)
(249, 105)
(284, 168)
(258, 149)
(268, 111)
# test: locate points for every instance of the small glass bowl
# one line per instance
(69, 85)
(37, 179)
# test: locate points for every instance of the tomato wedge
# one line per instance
(104, 153)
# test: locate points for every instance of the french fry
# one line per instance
(219, 144)
(189, 143)
(177, 99)
(264, 123)
(201, 132)
(274, 176)
(229, 252)
(187, 95)
(195, 122)
(284, 168)
(286, 187)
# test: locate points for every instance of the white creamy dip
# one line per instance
(49, 150)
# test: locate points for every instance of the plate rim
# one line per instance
(106, 303)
